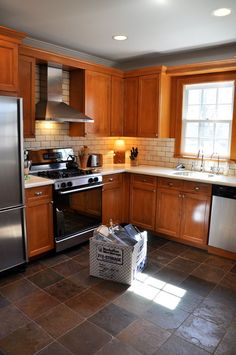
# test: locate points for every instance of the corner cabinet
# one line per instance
(39, 220)
(183, 209)
(113, 198)
(146, 104)
(143, 201)
(27, 92)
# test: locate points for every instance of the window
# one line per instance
(207, 115)
(204, 115)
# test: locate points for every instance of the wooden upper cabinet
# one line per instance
(148, 106)
(130, 106)
(9, 45)
(97, 102)
(8, 66)
(117, 107)
(27, 92)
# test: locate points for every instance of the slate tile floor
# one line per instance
(183, 303)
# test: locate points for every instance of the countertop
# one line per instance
(35, 181)
(171, 173)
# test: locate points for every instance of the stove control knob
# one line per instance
(90, 180)
(63, 185)
(69, 184)
(96, 179)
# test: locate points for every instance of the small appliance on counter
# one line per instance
(95, 160)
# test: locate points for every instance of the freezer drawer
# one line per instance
(12, 241)
(223, 223)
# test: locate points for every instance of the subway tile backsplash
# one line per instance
(152, 151)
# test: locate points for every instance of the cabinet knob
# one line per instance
(38, 193)
(196, 188)
(170, 184)
(153, 190)
(110, 179)
(144, 180)
(180, 195)
(183, 196)
(156, 134)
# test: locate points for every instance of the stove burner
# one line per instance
(64, 173)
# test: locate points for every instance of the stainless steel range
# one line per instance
(77, 195)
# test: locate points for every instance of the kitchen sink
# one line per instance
(193, 174)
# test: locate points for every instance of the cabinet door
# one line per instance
(130, 106)
(117, 110)
(195, 218)
(27, 92)
(168, 212)
(8, 66)
(39, 227)
(113, 199)
(148, 106)
(97, 102)
(143, 206)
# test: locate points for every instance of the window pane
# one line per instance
(225, 95)
(207, 130)
(224, 112)
(190, 145)
(191, 129)
(209, 96)
(208, 112)
(194, 96)
(222, 130)
(207, 146)
(221, 147)
(193, 112)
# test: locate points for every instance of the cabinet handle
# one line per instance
(38, 193)
(170, 183)
(110, 179)
(197, 188)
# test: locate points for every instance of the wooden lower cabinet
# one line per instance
(39, 220)
(168, 212)
(143, 201)
(195, 218)
(184, 213)
(113, 199)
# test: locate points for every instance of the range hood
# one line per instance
(51, 106)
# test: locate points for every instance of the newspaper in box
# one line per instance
(117, 253)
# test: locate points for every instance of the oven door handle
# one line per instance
(80, 189)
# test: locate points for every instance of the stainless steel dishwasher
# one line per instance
(223, 218)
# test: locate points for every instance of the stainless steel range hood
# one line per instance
(51, 106)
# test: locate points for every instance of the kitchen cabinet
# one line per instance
(130, 106)
(99, 96)
(183, 210)
(117, 101)
(27, 92)
(147, 104)
(143, 201)
(39, 220)
(9, 43)
(113, 198)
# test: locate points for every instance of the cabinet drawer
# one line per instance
(143, 179)
(38, 193)
(170, 183)
(112, 181)
(197, 187)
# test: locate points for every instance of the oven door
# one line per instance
(77, 212)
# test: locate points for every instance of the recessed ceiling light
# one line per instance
(221, 12)
(119, 37)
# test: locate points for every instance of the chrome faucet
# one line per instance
(200, 153)
(218, 162)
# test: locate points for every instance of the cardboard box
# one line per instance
(115, 262)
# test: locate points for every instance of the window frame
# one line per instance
(177, 101)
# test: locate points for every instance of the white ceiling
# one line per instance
(152, 26)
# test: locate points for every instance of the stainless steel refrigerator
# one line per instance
(12, 222)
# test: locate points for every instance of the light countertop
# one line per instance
(35, 181)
